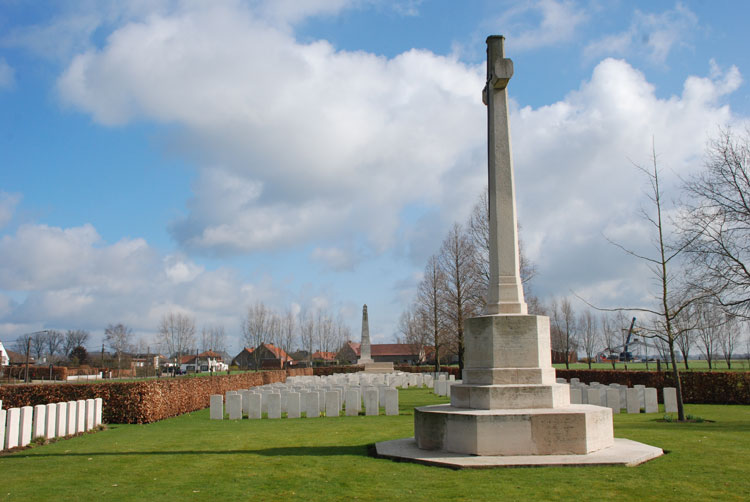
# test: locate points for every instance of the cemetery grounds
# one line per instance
(193, 458)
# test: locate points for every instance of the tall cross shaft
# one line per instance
(505, 292)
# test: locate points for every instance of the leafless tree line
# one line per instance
(311, 330)
(453, 288)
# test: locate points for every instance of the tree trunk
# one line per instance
(677, 383)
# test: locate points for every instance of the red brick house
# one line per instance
(397, 353)
(265, 356)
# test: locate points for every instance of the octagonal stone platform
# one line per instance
(574, 429)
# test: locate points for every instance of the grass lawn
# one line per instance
(193, 458)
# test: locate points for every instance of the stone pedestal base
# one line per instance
(379, 368)
(574, 429)
(489, 397)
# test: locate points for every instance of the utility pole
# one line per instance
(28, 349)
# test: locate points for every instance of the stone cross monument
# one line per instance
(509, 409)
(364, 346)
(505, 294)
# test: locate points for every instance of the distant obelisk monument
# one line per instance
(509, 409)
(364, 345)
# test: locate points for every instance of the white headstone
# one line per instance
(641, 394)
(312, 405)
(98, 404)
(245, 393)
(50, 425)
(634, 401)
(234, 406)
(25, 425)
(216, 411)
(61, 425)
(12, 427)
(613, 400)
(594, 396)
(440, 387)
(3, 418)
(332, 404)
(39, 425)
(670, 400)
(293, 405)
(652, 400)
(352, 403)
(391, 401)
(81, 416)
(371, 402)
(575, 395)
(90, 414)
(274, 405)
(72, 420)
(254, 406)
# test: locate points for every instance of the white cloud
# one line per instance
(556, 22)
(7, 75)
(655, 35)
(575, 179)
(304, 141)
(8, 203)
(335, 258)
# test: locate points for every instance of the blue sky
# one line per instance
(201, 156)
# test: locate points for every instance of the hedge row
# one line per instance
(37, 372)
(145, 401)
(698, 387)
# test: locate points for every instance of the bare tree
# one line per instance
(288, 333)
(38, 344)
(672, 299)
(307, 333)
(563, 330)
(729, 338)
(718, 222)
(177, 334)
(710, 318)
(457, 261)
(255, 328)
(214, 338)
(54, 342)
(687, 326)
(75, 338)
(119, 338)
(429, 306)
(588, 335)
(610, 336)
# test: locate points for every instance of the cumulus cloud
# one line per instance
(575, 176)
(654, 35)
(296, 141)
(335, 258)
(556, 21)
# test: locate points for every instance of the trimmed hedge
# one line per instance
(37, 372)
(145, 401)
(698, 387)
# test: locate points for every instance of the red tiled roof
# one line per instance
(326, 356)
(278, 352)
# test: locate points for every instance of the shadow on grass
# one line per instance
(292, 451)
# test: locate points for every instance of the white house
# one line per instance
(4, 358)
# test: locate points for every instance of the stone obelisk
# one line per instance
(364, 344)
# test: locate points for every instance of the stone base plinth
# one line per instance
(575, 429)
(488, 397)
(379, 368)
(623, 452)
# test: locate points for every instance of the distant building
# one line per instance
(203, 362)
(264, 356)
(4, 358)
(324, 357)
(397, 353)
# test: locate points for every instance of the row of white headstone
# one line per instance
(620, 397)
(19, 426)
(314, 396)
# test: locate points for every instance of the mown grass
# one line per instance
(193, 458)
